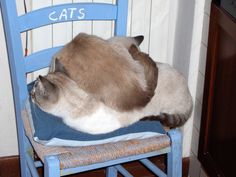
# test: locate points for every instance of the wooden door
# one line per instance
(217, 147)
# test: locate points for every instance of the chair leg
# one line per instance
(111, 172)
(51, 166)
(174, 157)
(31, 166)
(28, 173)
(23, 148)
(23, 167)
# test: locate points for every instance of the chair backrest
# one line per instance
(14, 25)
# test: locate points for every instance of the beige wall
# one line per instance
(8, 140)
(156, 19)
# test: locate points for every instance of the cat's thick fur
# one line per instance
(59, 95)
(105, 69)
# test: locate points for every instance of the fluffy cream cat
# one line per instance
(59, 95)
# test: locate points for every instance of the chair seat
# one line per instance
(79, 156)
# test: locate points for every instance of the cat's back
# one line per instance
(172, 90)
(170, 77)
(105, 70)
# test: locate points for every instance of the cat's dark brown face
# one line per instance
(44, 93)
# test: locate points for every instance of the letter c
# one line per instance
(50, 16)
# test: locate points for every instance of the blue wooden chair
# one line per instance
(54, 165)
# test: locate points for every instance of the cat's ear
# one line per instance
(41, 78)
(133, 50)
(46, 84)
(139, 39)
(59, 67)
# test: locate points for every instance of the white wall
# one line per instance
(166, 25)
(199, 52)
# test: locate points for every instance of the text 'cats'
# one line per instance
(67, 14)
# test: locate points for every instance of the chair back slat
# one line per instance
(40, 60)
(67, 12)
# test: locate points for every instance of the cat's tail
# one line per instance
(170, 120)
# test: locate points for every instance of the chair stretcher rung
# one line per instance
(153, 167)
(112, 162)
(123, 171)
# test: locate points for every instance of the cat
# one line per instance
(59, 95)
(105, 69)
(169, 120)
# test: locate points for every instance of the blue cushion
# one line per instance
(50, 130)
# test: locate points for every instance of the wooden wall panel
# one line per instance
(149, 18)
(22, 9)
(140, 22)
(129, 18)
(82, 26)
(145, 17)
(159, 25)
(42, 37)
(102, 28)
(61, 29)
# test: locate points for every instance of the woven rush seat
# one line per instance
(79, 156)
